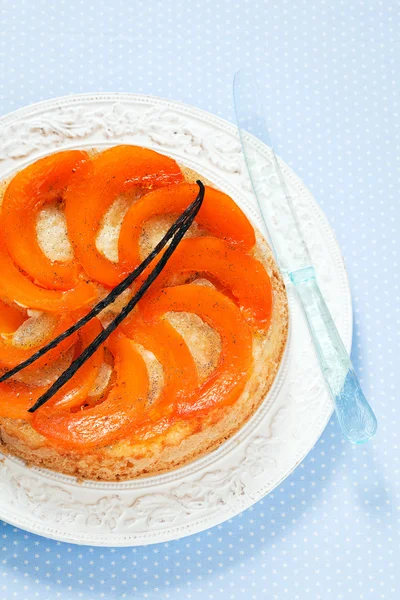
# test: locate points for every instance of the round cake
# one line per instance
(188, 366)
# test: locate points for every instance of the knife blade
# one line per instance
(283, 227)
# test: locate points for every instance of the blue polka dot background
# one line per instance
(329, 80)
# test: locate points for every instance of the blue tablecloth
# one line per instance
(327, 69)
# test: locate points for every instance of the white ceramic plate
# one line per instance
(295, 412)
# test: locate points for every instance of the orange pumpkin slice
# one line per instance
(244, 276)
(18, 288)
(219, 215)
(105, 422)
(170, 349)
(40, 183)
(227, 381)
(12, 354)
(115, 172)
(10, 318)
(76, 390)
(16, 397)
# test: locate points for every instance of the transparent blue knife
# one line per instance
(356, 417)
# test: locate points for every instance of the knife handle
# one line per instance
(356, 417)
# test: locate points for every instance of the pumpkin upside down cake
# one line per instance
(187, 367)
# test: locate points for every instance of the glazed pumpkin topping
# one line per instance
(41, 297)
